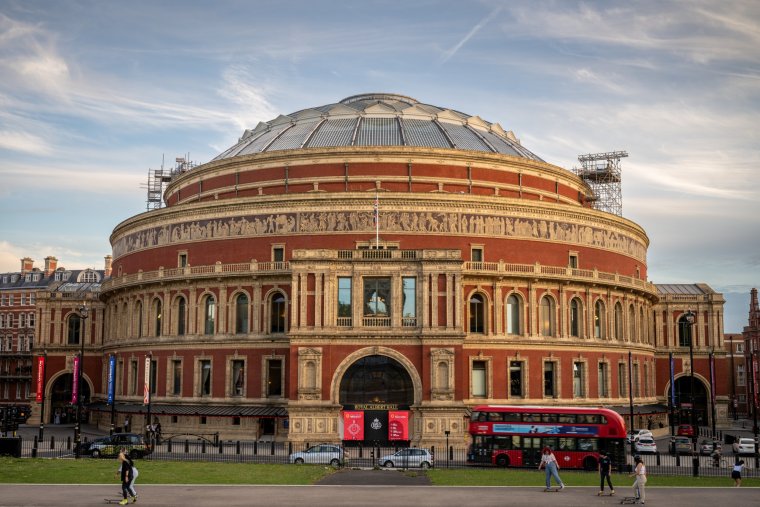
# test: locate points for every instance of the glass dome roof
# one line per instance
(378, 119)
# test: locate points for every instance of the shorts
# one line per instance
(736, 475)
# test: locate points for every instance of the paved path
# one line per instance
(352, 496)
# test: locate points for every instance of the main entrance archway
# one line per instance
(61, 409)
(375, 389)
(686, 405)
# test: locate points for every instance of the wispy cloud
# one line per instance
(447, 55)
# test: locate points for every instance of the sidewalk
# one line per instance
(59, 431)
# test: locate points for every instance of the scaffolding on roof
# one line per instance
(158, 178)
(601, 171)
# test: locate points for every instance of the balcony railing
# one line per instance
(376, 322)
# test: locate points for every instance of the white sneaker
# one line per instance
(561, 486)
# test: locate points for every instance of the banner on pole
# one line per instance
(75, 382)
(40, 377)
(111, 378)
(712, 378)
(672, 381)
(146, 385)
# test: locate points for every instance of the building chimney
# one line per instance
(50, 264)
(108, 268)
(27, 264)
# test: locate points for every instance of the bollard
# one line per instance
(290, 448)
(272, 447)
(203, 447)
(187, 446)
(255, 448)
(695, 466)
(221, 447)
(169, 445)
(237, 448)
(658, 459)
(451, 453)
(678, 460)
(361, 451)
(68, 443)
(52, 442)
(34, 452)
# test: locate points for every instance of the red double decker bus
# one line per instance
(515, 435)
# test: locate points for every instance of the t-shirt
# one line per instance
(604, 464)
(548, 458)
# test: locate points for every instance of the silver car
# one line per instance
(405, 458)
(321, 454)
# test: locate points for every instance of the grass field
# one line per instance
(94, 471)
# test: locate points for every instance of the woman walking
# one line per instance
(128, 474)
(639, 485)
(736, 473)
(552, 468)
(605, 467)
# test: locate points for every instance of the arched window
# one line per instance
(74, 329)
(684, 331)
(631, 324)
(157, 314)
(310, 375)
(600, 320)
(513, 314)
(443, 375)
(241, 314)
(618, 321)
(547, 316)
(181, 316)
(209, 315)
(278, 314)
(139, 318)
(477, 314)
(643, 327)
(124, 331)
(575, 318)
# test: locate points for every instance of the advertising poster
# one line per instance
(398, 425)
(75, 382)
(111, 376)
(353, 425)
(40, 377)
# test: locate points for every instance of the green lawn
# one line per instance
(95, 471)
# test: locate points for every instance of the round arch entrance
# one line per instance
(62, 411)
(688, 406)
(376, 392)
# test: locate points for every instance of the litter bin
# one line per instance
(10, 447)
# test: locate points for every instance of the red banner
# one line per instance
(75, 382)
(40, 377)
(398, 425)
(353, 425)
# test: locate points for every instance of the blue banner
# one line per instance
(111, 378)
(672, 381)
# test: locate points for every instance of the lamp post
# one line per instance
(689, 323)
(83, 313)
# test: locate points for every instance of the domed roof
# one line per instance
(378, 119)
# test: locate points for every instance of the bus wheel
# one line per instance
(589, 463)
(502, 461)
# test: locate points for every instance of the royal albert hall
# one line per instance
(370, 262)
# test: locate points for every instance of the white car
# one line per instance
(746, 446)
(636, 434)
(645, 445)
(322, 454)
(405, 458)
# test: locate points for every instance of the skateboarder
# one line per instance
(128, 474)
(549, 461)
(605, 467)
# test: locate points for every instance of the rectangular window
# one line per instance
(31, 320)
(516, 379)
(32, 298)
(636, 389)
(603, 379)
(274, 377)
(278, 254)
(740, 348)
(23, 299)
(176, 377)
(345, 309)
(477, 254)
(10, 299)
(622, 380)
(573, 260)
(133, 377)
(238, 377)
(578, 380)
(742, 398)
(377, 301)
(549, 380)
(479, 379)
(740, 376)
(646, 379)
(205, 385)
(182, 260)
(2, 321)
(153, 376)
(409, 304)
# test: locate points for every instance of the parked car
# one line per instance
(746, 446)
(636, 434)
(645, 445)
(411, 457)
(680, 445)
(685, 430)
(706, 447)
(321, 454)
(109, 447)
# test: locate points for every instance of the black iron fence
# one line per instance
(202, 449)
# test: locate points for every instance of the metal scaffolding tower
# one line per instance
(158, 178)
(601, 171)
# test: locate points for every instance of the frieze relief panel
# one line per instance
(390, 221)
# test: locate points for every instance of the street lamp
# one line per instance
(689, 323)
(83, 313)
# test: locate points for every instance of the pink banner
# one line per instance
(353, 425)
(40, 377)
(398, 425)
(75, 382)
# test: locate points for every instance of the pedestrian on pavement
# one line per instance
(736, 473)
(605, 467)
(126, 424)
(128, 473)
(549, 461)
(639, 485)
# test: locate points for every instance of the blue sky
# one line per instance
(94, 93)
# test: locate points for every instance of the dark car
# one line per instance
(110, 446)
